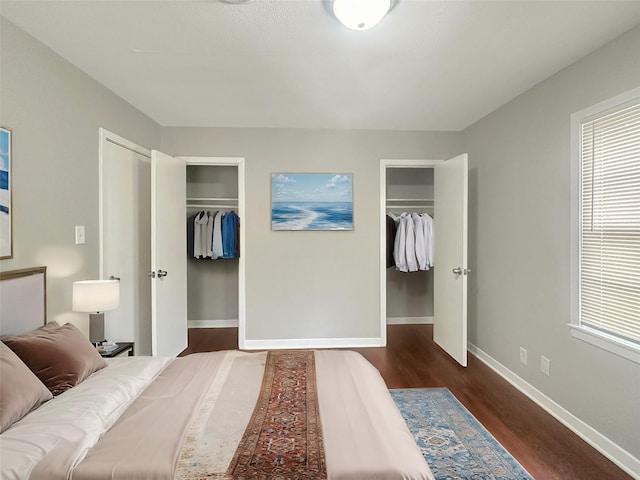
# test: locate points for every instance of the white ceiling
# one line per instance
(429, 65)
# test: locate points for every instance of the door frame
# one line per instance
(239, 163)
(384, 165)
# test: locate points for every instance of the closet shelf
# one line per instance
(410, 203)
(212, 199)
(224, 202)
(419, 200)
(202, 205)
(409, 207)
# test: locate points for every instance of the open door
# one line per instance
(168, 255)
(450, 257)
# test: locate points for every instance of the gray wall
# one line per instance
(520, 243)
(55, 111)
(311, 284)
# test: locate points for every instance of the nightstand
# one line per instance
(122, 348)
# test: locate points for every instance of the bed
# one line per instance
(223, 415)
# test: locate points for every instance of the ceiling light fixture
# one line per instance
(360, 14)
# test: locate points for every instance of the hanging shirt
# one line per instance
(391, 239)
(427, 224)
(410, 244)
(199, 250)
(209, 235)
(237, 244)
(229, 228)
(404, 252)
(190, 231)
(399, 246)
(217, 236)
(420, 243)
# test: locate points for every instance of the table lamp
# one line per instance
(96, 297)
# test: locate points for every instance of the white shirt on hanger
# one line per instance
(420, 244)
(399, 245)
(410, 244)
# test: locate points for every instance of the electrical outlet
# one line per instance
(544, 365)
(523, 355)
(80, 238)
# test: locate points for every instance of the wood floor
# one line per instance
(542, 445)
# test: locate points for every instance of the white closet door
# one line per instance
(125, 236)
(450, 257)
(168, 254)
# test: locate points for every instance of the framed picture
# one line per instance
(311, 201)
(6, 214)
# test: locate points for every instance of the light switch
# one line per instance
(80, 239)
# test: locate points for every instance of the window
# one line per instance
(609, 227)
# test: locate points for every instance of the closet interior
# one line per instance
(409, 294)
(212, 283)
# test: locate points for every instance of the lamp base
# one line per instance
(96, 328)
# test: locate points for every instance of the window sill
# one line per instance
(607, 342)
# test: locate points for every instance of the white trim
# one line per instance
(218, 161)
(382, 251)
(409, 320)
(384, 164)
(607, 342)
(410, 163)
(212, 323)
(285, 343)
(238, 162)
(602, 444)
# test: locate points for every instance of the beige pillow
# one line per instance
(61, 358)
(20, 389)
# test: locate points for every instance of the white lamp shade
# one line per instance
(360, 14)
(95, 295)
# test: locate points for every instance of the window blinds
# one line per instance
(610, 223)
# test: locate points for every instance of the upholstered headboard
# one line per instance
(23, 302)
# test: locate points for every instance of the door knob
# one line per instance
(151, 274)
(162, 273)
(113, 277)
(457, 271)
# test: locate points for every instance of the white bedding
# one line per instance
(80, 414)
(365, 436)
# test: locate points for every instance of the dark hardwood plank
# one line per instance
(545, 447)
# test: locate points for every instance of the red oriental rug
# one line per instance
(284, 437)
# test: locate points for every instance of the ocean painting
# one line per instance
(311, 201)
(6, 222)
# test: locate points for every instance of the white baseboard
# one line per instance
(609, 449)
(293, 343)
(212, 323)
(409, 320)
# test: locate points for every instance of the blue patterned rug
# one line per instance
(454, 444)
